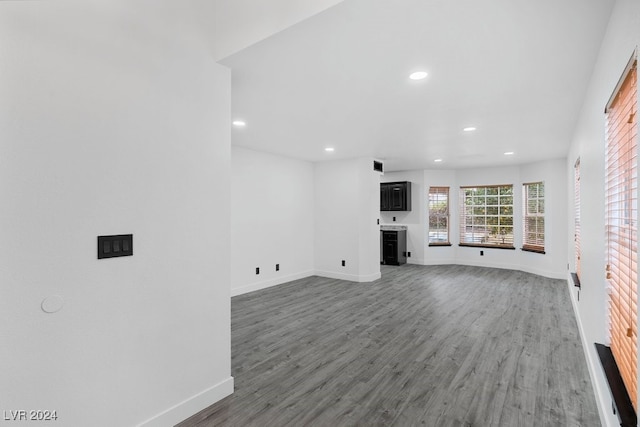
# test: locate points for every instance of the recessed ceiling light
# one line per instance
(438, 160)
(509, 153)
(418, 75)
(329, 149)
(239, 123)
(469, 129)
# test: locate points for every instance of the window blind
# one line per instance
(621, 226)
(438, 216)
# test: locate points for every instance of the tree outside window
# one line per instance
(486, 216)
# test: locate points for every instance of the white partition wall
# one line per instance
(346, 208)
(112, 122)
(588, 144)
(272, 220)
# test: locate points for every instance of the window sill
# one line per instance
(440, 244)
(473, 245)
(621, 400)
(537, 251)
(576, 280)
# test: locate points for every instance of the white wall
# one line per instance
(554, 262)
(368, 215)
(415, 218)
(306, 217)
(111, 122)
(552, 172)
(346, 199)
(623, 35)
(272, 219)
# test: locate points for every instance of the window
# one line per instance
(621, 222)
(486, 216)
(438, 216)
(576, 235)
(533, 217)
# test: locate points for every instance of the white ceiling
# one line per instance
(231, 25)
(515, 69)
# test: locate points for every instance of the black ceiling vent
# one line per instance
(377, 166)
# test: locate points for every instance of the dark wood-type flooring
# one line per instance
(424, 345)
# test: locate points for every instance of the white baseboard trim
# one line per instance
(370, 277)
(348, 277)
(519, 267)
(441, 262)
(603, 397)
(550, 274)
(191, 406)
(490, 265)
(269, 283)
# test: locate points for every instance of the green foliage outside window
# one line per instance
(487, 215)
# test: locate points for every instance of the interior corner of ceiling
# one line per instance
(249, 29)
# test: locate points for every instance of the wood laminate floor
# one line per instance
(424, 345)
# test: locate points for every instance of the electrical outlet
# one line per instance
(277, 267)
(481, 253)
(394, 219)
(257, 270)
(344, 263)
(408, 254)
